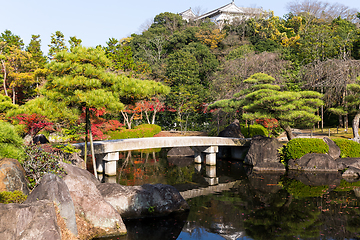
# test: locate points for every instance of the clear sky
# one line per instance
(96, 21)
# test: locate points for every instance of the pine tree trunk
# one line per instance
(92, 147)
(355, 126)
(341, 123)
(289, 134)
(86, 134)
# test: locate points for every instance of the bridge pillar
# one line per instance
(199, 157)
(211, 175)
(208, 152)
(107, 163)
(211, 155)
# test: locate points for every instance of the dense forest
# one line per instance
(194, 75)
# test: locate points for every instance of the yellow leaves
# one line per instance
(210, 37)
(288, 42)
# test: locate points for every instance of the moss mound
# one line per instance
(298, 147)
(253, 130)
(348, 148)
(141, 131)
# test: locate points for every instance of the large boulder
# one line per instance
(314, 162)
(89, 202)
(76, 171)
(334, 150)
(180, 151)
(34, 221)
(233, 130)
(143, 201)
(263, 150)
(348, 162)
(12, 176)
(51, 187)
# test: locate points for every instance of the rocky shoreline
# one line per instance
(80, 197)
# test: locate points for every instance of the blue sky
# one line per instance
(96, 21)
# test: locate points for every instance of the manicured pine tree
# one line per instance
(79, 80)
(264, 100)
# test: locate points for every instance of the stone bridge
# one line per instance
(107, 152)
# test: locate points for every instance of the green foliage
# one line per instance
(57, 44)
(348, 148)
(34, 48)
(11, 40)
(5, 105)
(298, 147)
(300, 190)
(240, 52)
(141, 131)
(253, 130)
(74, 132)
(38, 162)
(54, 111)
(12, 197)
(66, 148)
(346, 186)
(10, 142)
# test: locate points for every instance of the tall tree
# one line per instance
(11, 40)
(57, 44)
(34, 48)
(74, 42)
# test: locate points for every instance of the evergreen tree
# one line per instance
(57, 44)
(263, 100)
(74, 42)
(34, 48)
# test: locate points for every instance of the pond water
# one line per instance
(230, 201)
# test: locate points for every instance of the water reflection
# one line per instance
(243, 204)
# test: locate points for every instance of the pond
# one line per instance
(230, 201)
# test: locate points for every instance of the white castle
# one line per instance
(223, 14)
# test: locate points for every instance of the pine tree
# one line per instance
(264, 100)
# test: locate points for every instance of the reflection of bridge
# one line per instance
(107, 152)
(208, 190)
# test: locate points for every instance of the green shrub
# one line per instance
(10, 142)
(252, 130)
(348, 148)
(141, 131)
(298, 147)
(12, 197)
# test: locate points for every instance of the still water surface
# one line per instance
(230, 201)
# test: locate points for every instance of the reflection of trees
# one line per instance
(282, 221)
(177, 175)
(137, 168)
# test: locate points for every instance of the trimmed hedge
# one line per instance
(298, 147)
(141, 131)
(255, 129)
(348, 148)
